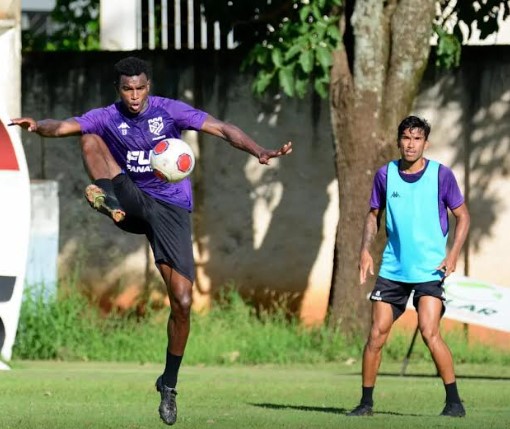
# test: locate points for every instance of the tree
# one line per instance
(369, 56)
(74, 26)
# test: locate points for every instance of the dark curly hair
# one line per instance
(130, 66)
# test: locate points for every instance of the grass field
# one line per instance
(63, 395)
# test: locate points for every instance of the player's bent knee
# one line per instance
(182, 304)
(429, 334)
(379, 332)
(376, 340)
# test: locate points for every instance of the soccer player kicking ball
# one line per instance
(416, 193)
(116, 141)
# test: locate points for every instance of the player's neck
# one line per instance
(413, 167)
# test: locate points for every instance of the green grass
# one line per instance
(64, 395)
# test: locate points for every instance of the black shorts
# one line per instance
(167, 227)
(397, 293)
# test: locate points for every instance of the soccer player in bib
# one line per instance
(116, 141)
(416, 194)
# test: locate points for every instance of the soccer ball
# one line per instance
(172, 160)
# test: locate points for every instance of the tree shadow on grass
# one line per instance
(459, 376)
(393, 413)
(331, 410)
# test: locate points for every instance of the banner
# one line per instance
(14, 232)
(476, 302)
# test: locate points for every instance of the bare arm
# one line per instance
(49, 127)
(462, 221)
(240, 140)
(366, 262)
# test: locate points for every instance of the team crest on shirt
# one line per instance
(123, 128)
(156, 125)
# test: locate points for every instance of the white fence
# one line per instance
(159, 24)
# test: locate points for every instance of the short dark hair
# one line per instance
(130, 66)
(412, 122)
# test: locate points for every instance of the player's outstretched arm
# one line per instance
(49, 127)
(240, 140)
(366, 262)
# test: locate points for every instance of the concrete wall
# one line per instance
(42, 259)
(265, 229)
(470, 113)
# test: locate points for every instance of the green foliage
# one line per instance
(291, 42)
(69, 327)
(76, 28)
(476, 15)
(298, 49)
(48, 326)
(457, 21)
(242, 336)
(448, 49)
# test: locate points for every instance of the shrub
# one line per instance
(70, 327)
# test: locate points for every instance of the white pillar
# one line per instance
(10, 54)
(119, 22)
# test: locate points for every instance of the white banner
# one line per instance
(14, 232)
(477, 302)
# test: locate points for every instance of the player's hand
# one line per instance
(267, 154)
(366, 264)
(28, 124)
(447, 266)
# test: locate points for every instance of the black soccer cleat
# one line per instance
(361, 410)
(168, 405)
(104, 203)
(453, 409)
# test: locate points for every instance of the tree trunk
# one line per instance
(368, 99)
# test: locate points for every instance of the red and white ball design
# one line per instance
(172, 160)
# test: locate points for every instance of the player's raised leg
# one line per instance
(429, 316)
(101, 168)
(180, 293)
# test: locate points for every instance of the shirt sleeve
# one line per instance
(378, 197)
(186, 116)
(91, 121)
(451, 194)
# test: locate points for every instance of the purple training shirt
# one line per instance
(131, 137)
(450, 196)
